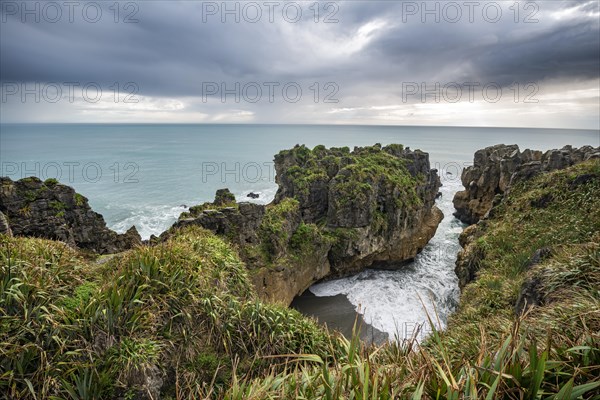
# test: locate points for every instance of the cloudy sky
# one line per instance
(471, 63)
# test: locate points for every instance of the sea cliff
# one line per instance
(51, 210)
(335, 213)
(495, 168)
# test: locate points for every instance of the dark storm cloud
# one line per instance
(166, 52)
(172, 50)
(502, 52)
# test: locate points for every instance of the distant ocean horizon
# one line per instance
(147, 174)
(142, 174)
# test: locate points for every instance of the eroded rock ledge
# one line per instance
(495, 168)
(488, 185)
(30, 207)
(336, 212)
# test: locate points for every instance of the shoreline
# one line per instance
(337, 313)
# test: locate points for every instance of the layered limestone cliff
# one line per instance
(495, 168)
(490, 198)
(336, 212)
(378, 202)
(30, 207)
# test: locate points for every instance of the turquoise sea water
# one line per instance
(144, 175)
(149, 171)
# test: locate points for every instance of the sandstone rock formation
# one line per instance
(497, 167)
(239, 223)
(336, 212)
(469, 258)
(54, 211)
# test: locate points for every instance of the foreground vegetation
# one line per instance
(181, 315)
(180, 319)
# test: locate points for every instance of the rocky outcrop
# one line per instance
(284, 281)
(238, 223)
(54, 211)
(530, 294)
(498, 172)
(469, 258)
(224, 197)
(498, 167)
(336, 212)
(377, 201)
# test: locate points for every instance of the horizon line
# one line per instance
(294, 124)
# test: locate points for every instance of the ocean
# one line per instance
(147, 174)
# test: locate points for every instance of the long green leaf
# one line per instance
(419, 392)
(538, 375)
(492, 391)
(565, 392)
(580, 390)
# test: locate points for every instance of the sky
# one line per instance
(435, 63)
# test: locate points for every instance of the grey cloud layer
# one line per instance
(171, 51)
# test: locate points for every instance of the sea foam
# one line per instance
(396, 302)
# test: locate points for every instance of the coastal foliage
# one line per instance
(356, 173)
(181, 313)
(180, 319)
(557, 212)
(276, 227)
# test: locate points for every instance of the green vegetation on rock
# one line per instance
(384, 196)
(51, 182)
(277, 226)
(195, 211)
(79, 199)
(223, 199)
(559, 212)
(355, 172)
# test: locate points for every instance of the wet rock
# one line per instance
(253, 195)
